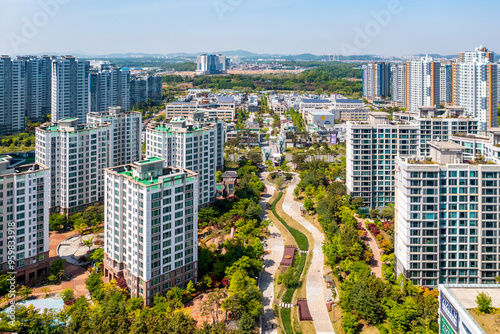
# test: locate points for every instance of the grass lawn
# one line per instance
(292, 223)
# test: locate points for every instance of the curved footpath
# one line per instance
(316, 289)
(273, 248)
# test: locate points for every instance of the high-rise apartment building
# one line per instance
(76, 155)
(447, 217)
(151, 227)
(475, 86)
(193, 144)
(144, 88)
(422, 83)
(109, 86)
(24, 191)
(70, 89)
(398, 85)
(12, 95)
(125, 133)
(211, 64)
(38, 80)
(371, 147)
(446, 84)
(376, 81)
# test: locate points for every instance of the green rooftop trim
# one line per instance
(153, 159)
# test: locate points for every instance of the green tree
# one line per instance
(308, 204)
(246, 324)
(57, 221)
(350, 323)
(93, 283)
(24, 292)
(218, 176)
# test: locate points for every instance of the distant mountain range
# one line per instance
(249, 56)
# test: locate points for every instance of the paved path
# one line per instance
(273, 252)
(316, 289)
(376, 263)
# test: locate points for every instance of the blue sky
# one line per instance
(272, 26)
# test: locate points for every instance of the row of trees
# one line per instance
(81, 221)
(391, 303)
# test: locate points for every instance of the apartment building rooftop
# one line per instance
(150, 172)
(8, 165)
(458, 303)
(68, 125)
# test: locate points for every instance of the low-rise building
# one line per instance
(320, 117)
(456, 304)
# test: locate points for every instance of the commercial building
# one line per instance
(446, 218)
(422, 83)
(24, 191)
(224, 109)
(314, 104)
(456, 304)
(109, 86)
(70, 89)
(320, 117)
(376, 81)
(195, 144)
(211, 64)
(151, 227)
(125, 133)
(352, 114)
(76, 155)
(475, 86)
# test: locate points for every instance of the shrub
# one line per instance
(483, 301)
(67, 294)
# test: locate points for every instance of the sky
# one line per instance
(387, 28)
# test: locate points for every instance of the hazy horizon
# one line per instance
(385, 28)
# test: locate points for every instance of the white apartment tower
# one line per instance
(151, 227)
(475, 86)
(422, 84)
(24, 209)
(191, 144)
(70, 89)
(76, 154)
(126, 133)
(371, 147)
(376, 81)
(447, 218)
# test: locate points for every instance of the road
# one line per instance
(273, 252)
(316, 289)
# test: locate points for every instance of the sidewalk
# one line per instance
(376, 263)
(316, 289)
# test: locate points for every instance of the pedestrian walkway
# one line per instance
(376, 262)
(316, 289)
(273, 252)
